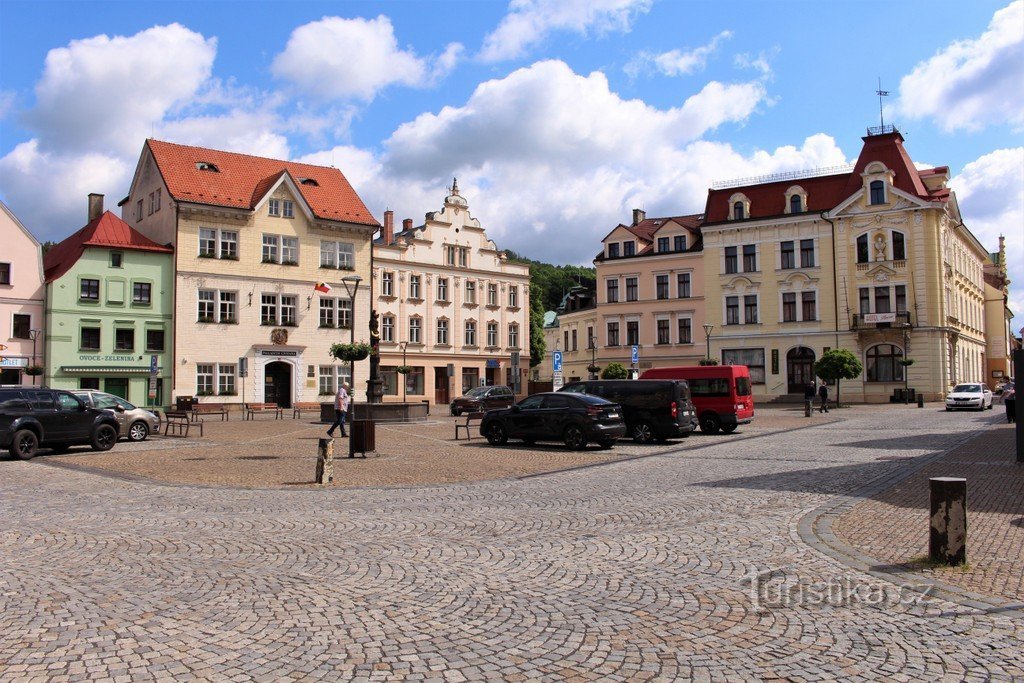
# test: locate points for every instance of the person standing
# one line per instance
(823, 395)
(1010, 402)
(341, 401)
(808, 398)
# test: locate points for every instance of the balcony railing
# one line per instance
(881, 321)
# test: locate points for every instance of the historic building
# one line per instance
(574, 333)
(21, 300)
(454, 311)
(108, 311)
(874, 259)
(650, 293)
(253, 237)
(998, 330)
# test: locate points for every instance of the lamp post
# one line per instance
(405, 376)
(707, 339)
(906, 364)
(593, 355)
(33, 335)
(351, 284)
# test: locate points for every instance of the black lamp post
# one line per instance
(707, 338)
(351, 284)
(405, 376)
(33, 335)
(593, 356)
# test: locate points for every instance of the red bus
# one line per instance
(720, 393)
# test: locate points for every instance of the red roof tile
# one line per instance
(105, 231)
(242, 180)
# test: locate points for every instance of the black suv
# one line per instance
(573, 419)
(654, 409)
(31, 417)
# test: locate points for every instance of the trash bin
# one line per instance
(913, 395)
(363, 437)
(185, 403)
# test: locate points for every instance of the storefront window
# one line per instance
(752, 358)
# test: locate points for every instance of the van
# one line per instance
(720, 393)
(652, 409)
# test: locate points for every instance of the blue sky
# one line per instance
(557, 117)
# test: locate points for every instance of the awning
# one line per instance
(104, 370)
(493, 363)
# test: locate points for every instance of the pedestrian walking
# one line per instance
(1010, 402)
(823, 395)
(341, 401)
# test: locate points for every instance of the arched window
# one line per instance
(883, 363)
(795, 204)
(862, 249)
(737, 210)
(899, 246)
(877, 192)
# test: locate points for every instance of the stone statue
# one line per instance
(879, 247)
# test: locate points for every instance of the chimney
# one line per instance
(638, 216)
(95, 206)
(407, 224)
(388, 234)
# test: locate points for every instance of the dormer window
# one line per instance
(796, 204)
(679, 243)
(737, 211)
(739, 206)
(877, 188)
(309, 181)
(613, 250)
(628, 248)
(274, 207)
(207, 166)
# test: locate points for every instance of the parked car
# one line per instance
(972, 395)
(31, 417)
(573, 419)
(720, 393)
(136, 424)
(482, 399)
(653, 409)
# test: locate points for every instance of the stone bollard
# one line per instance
(808, 407)
(920, 400)
(947, 540)
(325, 461)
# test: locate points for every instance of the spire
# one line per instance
(455, 185)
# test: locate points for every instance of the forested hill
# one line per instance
(555, 281)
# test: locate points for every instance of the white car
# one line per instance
(973, 396)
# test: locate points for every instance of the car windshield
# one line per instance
(967, 389)
(476, 393)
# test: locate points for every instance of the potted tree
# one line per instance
(836, 365)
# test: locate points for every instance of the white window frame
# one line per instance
(273, 207)
(442, 331)
(513, 296)
(469, 333)
(387, 283)
(272, 245)
(387, 329)
(288, 209)
(513, 335)
(415, 287)
(289, 250)
(492, 334)
(415, 330)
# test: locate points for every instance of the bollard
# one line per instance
(325, 461)
(807, 408)
(920, 400)
(947, 538)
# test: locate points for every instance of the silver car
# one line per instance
(136, 423)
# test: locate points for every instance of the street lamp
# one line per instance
(593, 355)
(707, 338)
(351, 284)
(405, 377)
(33, 335)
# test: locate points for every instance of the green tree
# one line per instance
(555, 281)
(537, 346)
(615, 371)
(836, 365)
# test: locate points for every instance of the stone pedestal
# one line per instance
(325, 461)
(374, 390)
(947, 539)
(808, 407)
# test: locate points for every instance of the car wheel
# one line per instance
(605, 444)
(709, 423)
(643, 432)
(104, 438)
(138, 431)
(24, 444)
(496, 434)
(990, 405)
(574, 438)
(729, 429)
(948, 409)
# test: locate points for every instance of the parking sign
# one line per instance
(636, 355)
(556, 360)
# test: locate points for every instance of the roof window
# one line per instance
(207, 166)
(309, 181)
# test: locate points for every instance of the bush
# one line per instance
(615, 371)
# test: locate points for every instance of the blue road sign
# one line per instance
(556, 360)
(636, 355)
(152, 365)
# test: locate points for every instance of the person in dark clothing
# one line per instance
(808, 399)
(823, 395)
(1010, 401)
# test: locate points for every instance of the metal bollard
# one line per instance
(947, 538)
(808, 406)
(920, 400)
(325, 461)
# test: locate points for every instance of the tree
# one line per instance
(615, 371)
(537, 346)
(836, 365)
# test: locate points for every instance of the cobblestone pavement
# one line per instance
(639, 570)
(892, 526)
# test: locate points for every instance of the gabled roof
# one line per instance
(240, 181)
(646, 229)
(108, 231)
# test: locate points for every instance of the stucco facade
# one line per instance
(21, 299)
(448, 299)
(998, 329)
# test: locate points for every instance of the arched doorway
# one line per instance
(277, 384)
(799, 369)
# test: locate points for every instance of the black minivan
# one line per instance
(654, 409)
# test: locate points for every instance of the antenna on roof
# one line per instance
(881, 93)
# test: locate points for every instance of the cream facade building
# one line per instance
(998, 324)
(575, 333)
(453, 309)
(252, 238)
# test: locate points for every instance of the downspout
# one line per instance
(835, 276)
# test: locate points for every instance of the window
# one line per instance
(806, 253)
(226, 379)
(628, 248)
(90, 339)
(142, 293)
(685, 331)
(631, 288)
(327, 307)
(808, 301)
(156, 201)
(387, 283)
(21, 326)
(124, 339)
(788, 255)
(228, 305)
(750, 309)
(788, 307)
(492, 294)
(661, 286)
(207, 306)
(663, 331)
(204, 379)
(513, 296)
(877, 188)
(565, 342)
(613, 334)
(442, 332)
(5, 273)
(679, 243)
(288, 208)
(345, 313)
(89, 383)
(795, 204)
(732, 310)
(442, 289)
(591, 341)
(862, 249)
(662, 245)
(737, 211)
(268, 309)
(290, 251)
(138, 210)
(731, 263)
(632, 332)
(325, 380)
(207, 242)
(901, 298)
(470, 379)
(154, 340)
(513, 335)
(883, 363)
(683, 285)
(271, 248)
(116, 259)
(470, 336)
(274, 207)
(414, 286)
(414, 330)
(464, 256)
(471, 292)
(613, 290)
(90, 289)
(613, 250)
(752, 358)
(882, 300)
(449, 255)
(749, 258)
(574, 346)
(865, 300)
(337, 255)
(899, 246)
(492, 334)
(228, 244)
(289, 306)
(387, 328)
(152, 201)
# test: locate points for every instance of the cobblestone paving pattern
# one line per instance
(635, 570)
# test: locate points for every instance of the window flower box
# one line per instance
(351, 352)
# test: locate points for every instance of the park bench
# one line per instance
(178, 423)
(472, 420)
(199, 409)
(299, 406)
(252, 408)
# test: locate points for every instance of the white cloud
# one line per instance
(344, 59)
(762, 62)
(531, 21)
(972, 83)
(675, 62)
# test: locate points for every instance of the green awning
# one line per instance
(104, 370)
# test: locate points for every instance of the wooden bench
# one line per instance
(298, 407)
(209, 409)
(472, 420)
(250, 410)
(178, 423)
